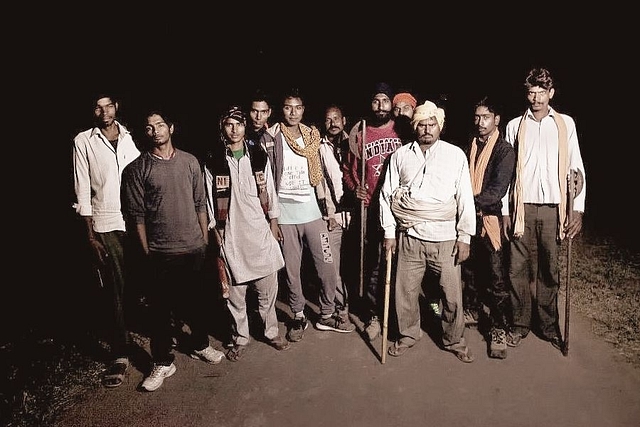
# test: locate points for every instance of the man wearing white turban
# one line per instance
(427, 212)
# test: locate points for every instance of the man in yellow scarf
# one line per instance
(547, 150)
(491, 165)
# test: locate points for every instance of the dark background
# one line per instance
(196, 62)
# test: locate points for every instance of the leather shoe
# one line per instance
(279, 343)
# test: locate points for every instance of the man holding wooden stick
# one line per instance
(547, 149)
(427, 212)
(381, 140)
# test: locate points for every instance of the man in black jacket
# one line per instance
(491, 165)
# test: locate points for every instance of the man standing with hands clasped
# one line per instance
(426, 202)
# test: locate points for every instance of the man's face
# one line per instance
(292, 111)
(381, 107)
(485, 121)
(428, 131)
(539, 98)
(259, 114)
(334, 122)
(233, 130)
(105, 111)
(157, 130)
(403, 109)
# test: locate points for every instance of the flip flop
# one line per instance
(462, 353)
(397, 349)
(236, 352)
(114, 375)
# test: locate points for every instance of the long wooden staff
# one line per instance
(385, 314)
(571, 193)
(363, 208)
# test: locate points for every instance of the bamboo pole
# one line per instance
(363, 208)
(385, 314)
(571, 190)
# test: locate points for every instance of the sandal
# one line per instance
(462, 353)
(114, 375)
(236, 352)
(397, 349)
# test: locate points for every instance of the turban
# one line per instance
(405, 97)
(426, 111)
(383, 87)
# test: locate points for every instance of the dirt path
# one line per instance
(331, 379)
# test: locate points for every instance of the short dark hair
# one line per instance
(293, 92)
(492, 104)
(157, 112)
(540, 77)
(259, 95)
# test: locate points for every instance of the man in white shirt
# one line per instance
(433, 223)
(100, 153)
(547, 149)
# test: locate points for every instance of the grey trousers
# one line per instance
(415, 257)
(267, 291)
(342, 294)
(316, 236)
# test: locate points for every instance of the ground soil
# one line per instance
(333, 379)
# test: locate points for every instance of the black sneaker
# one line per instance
(296, 329)
(498, 345)
(335, 323)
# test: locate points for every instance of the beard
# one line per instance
(380, 118)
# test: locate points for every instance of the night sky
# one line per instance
(196, 62)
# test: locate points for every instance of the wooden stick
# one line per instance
(363, 208)
(571, 190)
(385, 314)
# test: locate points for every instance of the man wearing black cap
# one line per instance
(381, 140)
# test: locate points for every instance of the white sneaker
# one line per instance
(157, 376)
(209, 355)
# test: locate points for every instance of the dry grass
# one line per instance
(605, 287)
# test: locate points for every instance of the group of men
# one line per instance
(485, 223)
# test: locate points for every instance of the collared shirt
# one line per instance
(540, 183)
(97, 168)
(333, 175)
(437, 176)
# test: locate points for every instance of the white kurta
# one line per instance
(251, 249)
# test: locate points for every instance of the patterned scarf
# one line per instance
(563, 164)
(311, 150)
(477, 167)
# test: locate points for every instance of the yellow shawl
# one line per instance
(311, 150)
(563, 168)
(490, 223)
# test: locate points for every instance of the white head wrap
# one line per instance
(426, 111)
